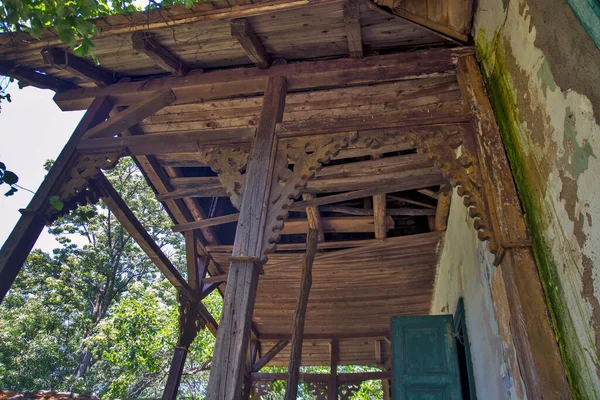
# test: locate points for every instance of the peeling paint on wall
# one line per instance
(542, 73)
(466, 270)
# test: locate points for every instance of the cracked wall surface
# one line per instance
(542, 71)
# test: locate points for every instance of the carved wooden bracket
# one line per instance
(453, 151)
(191, 321)
(230, 165)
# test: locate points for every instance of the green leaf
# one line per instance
(10, 178)
(12, 191)
(2, 166)
(67, 36)
(57, 203)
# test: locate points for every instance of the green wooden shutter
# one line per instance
(424, 364)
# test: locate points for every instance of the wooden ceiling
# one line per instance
(371, 266)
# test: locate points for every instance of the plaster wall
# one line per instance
(466, 270)
(542, 71)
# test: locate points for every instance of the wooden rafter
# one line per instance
(243, 32)
(314, 217)
(306, 76)
(145, 43)
(28, 76)
(204, 223)
(353, 30)
(62, 59)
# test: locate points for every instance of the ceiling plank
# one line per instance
(353, 31)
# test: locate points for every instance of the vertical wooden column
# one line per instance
(291, 389)
(538, 354)
(332, 387)
(227, 371)
(21, 240)
(174, 378)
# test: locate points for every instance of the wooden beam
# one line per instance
(166, 143)
(63, 60)
(131, 116)
(291, 389)
(409, 240)
(424, 180)
(145, 43)
(332, 386)
(347, 224)
(227, 372)
(243, 32)
(379, 335)
(342, 378)
(32, 77)
(412, 201)
(353, 31)
(22, 238)
(224, 219)
(264, 360)
(307, 75)
(215, 279)
(536, 347)
(132, 225)
(389, 211)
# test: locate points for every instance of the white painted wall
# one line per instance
(466, 271)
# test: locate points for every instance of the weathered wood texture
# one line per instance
(174, 377)
(62, 59)
(301, 76)
(269, 355)
(356, 377)
(21, 240)
(226, 376)
(243, 32)
(165, 59)
(353, 29)
(537, 351)
(291, 390)
(201, 37)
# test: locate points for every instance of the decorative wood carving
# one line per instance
(74, 191)
(230, 165)
(191, 321)
(308, 156)
(453, 152)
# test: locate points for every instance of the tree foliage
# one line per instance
(98, 318)
(8, 177)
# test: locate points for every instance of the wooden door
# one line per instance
(425, 363)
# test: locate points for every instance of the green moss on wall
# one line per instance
(503, 99)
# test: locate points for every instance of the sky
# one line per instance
(32, 130)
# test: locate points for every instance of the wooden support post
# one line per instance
(332, 386)
(353, 31)
(174, 377)
(196, 270)
(62, 59)
(227, 372)
(243, 32)
(379, 213)
(314, 217)
(165, 59)
(538, 355)
(291, 389)
(18, 245)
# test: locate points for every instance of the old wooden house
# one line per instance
(349, 140)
